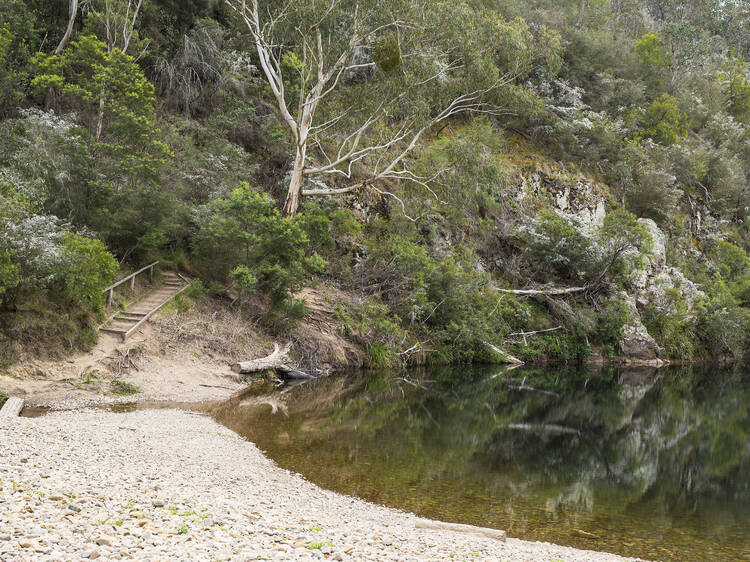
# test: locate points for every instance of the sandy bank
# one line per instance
(166, 485)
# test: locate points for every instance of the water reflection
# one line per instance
(633, 462)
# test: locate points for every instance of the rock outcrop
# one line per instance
(636, 344)
(578, 199)
(654, 284)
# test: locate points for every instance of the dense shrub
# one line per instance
(40, 253)
(246, 236)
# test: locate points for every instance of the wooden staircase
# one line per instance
(125, 322)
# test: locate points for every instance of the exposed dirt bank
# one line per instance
(183, 355)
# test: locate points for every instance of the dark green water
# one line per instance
(651, 465)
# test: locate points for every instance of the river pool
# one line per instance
(635, 462)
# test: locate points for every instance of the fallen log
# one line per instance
(276, 361)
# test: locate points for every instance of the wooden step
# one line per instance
(113, 331)
(134, 315)
(127, 319)
(126, 322)
(12, 408)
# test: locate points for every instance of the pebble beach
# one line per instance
(175, 485)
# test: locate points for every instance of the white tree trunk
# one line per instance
(73, 11)
(100, 119)
(294, 192)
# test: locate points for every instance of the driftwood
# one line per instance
(276, 361)
(460, 528)
(12, 408)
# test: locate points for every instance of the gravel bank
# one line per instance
(171, 485)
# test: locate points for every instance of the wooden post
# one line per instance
(109, 297)
(151, 274)
(132, 283)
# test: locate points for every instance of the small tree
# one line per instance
(265, 252)
(85, 267)
(112, 96)
(664, 122)
(736, 81)
(654, 59)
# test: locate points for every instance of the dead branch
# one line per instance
(534, 332)
(507, 357)
(552, 291)
(545, 427)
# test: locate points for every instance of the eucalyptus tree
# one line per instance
(73, 8)
(417, 65)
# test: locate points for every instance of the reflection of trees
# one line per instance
(520, 447)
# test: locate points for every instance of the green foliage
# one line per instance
(10, 91)
(85, 268)
(380, 356)
(610, 322)
(18, 38)
(732, 261)
(112, 96)
(657, 120)
(196, 290)
(123, 388)
(734, 78)
(332, 231)
(291, 67)
(664, 122)
(723, 326)
(246, 235)
(624, 242)
(244, 279)
(386, 53)
(673, 327)
(562, 346)
(558, 247)
(8, 273)
(654, 59)
(374, 326)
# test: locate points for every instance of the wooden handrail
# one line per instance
(121, 281)
(110, 290)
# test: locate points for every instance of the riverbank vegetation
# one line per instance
(424, 158)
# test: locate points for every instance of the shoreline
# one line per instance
(159, 484)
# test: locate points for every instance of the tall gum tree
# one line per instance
(307, 49)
